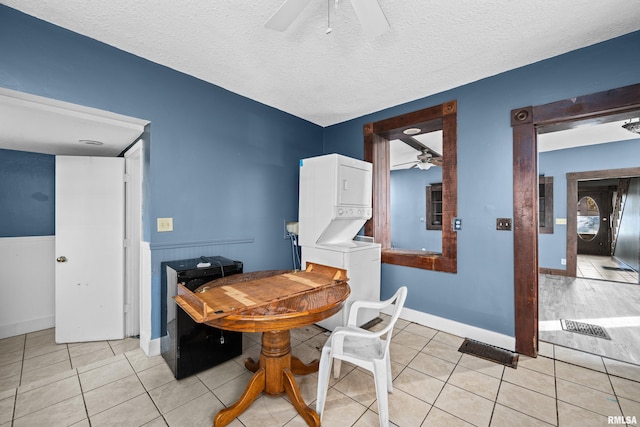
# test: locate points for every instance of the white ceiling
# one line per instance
(324, 78)
(329, 78)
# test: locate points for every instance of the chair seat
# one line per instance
(364, 348)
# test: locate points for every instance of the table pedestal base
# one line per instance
(273, 375)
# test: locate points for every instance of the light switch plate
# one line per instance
(165, 224)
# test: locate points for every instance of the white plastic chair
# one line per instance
(369, 350)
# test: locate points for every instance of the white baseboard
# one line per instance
(456, 328)
(149, 346)
(25, 327)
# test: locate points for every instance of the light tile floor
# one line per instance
(114, 383)
(593, 267)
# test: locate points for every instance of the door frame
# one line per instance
(133, 236)
(572, 200)
(524, 122)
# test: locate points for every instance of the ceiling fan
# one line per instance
(369, 14)
(425, 158)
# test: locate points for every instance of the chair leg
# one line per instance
(337, 364)
(389, 374)
(324, 371)
(380, 378)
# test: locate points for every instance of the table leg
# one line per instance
(298, 367)
(251, 365)
(253, 390)
(273, 375)
(291, 388)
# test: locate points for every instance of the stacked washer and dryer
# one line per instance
(335, 202)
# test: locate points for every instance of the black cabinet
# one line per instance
(189, 347)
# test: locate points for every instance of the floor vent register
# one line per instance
(584, 328)
(489, 352)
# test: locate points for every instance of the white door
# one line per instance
(89, 302)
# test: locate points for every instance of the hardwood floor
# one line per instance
(612, 305)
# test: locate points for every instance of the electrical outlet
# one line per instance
(165, 224)
(290, 227)
(503, 224)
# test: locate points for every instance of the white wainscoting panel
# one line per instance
(151, 347)
(27, 284)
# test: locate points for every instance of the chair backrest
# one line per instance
(398, 299)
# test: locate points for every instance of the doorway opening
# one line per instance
(525, 122)
(74, 130)
(603, 227)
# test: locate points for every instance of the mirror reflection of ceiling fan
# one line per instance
(425, 158)
(369, 14)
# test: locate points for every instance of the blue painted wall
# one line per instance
(223, 166)
(27, 194)
(408, 209)
(226, 167)
(622, 154)
(481, 293)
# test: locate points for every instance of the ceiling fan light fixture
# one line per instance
(424, 165)
(632, 126)
(412, 131)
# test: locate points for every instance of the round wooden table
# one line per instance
(274, 372)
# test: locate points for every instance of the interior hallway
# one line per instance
(114, 383)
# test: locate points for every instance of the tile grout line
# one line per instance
(613, 389)
(555, 381)
(84, 402)
(15, 395)
(145, 388)
(445, 382)
(495, 402)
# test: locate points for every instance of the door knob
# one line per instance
(61, 259)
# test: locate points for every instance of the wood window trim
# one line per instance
(431, 224)
(376, 150)
(525, 184)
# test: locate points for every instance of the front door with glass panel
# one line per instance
(594, 212)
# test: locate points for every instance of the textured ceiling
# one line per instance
(329, 78)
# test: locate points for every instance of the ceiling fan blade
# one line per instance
(436, 161)
(371, 17)
(405, 163)
(286, 14)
